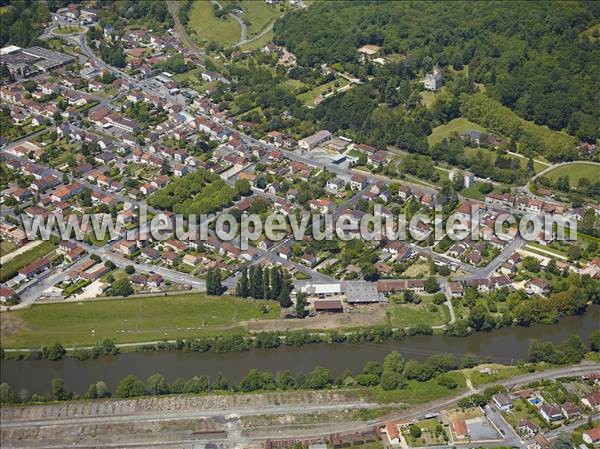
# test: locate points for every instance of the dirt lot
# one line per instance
(360, 317)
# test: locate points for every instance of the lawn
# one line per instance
(523, 410)
(473, 192)
(575, 172)
(259, 14)
(6, 246)
(190, 76)
(9, 269)
(207, 27)
(458, 125)
(258, 43)
(131, 320)
(420, 392)
(410, 315)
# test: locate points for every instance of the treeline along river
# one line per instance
(506, 345)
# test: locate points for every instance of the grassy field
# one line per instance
(420, 392)
(537, 167)
(258, 43)
(130, 320)
(71, 29)
(209, 28)
(575, 172)
(292, 85)
(9, 269)
(458, 125)
(309, 98)
(499, 372)
(408, 315)
(589, 33)
(259, 14)
(428, 98)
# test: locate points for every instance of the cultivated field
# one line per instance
(130, 320)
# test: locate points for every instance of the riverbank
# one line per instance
(506, 345)
(257, 416)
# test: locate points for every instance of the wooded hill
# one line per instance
(529, 55)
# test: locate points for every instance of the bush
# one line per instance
(415, 431)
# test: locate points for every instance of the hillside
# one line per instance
(528, 55)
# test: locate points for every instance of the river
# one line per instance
(506, 345)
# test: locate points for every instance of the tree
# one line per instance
(243, 187)
(130, 387)
(393, 362)
(563, 441)
(92, 392)
(391, 380)
(213, 282)
(319, 378)
(59, 391)
(243, 289)
(121, 287)
(220, 383)
(415, 431)
(595, 341)
(7, 396)
(56, 351)
(447, 381)
(284, 295)
(129, 269)
(102, 389)
(431, 285)
(157, 384)
(196, 384)
(301, 303)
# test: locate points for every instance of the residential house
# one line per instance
(539, 286)
(502, 401)
(592, 436)
(310, 142)
(358, 182)
(551, 413)
(592, 401)
(527, 428)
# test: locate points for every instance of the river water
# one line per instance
(506, 345)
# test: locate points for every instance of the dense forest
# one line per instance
(529, 55)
